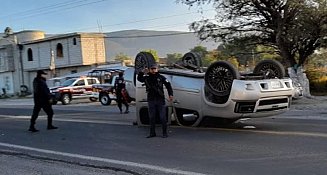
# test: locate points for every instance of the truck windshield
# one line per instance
(68, 82)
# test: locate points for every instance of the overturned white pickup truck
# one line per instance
(219, 92)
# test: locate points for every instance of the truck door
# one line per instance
(88, 87)
(79, 88)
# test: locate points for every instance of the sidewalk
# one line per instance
(17, 101)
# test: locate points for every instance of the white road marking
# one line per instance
(112, 161)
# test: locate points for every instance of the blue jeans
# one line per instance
(157, 107)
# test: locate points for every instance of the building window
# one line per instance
(74, 41)
(59, 50)
(30, 54)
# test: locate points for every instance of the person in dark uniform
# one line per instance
(119, 87)
(154, 82)
(42, 99)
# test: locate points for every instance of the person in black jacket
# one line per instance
(119, 87)
(41, 101)
(154, 82)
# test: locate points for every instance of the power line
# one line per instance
(41, 8)
(156, 35)
(142, 20)
(55, 10)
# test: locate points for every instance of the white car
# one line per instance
(74, 88)
(218, 93)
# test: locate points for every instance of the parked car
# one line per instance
(219, 92)
(74, 88)
(104, 91)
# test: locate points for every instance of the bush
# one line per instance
(318, 79)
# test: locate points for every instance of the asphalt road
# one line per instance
(95, 139)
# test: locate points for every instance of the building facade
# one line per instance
(23, 53)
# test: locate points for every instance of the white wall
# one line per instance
(6, 82)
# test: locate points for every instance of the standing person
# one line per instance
(154, 82)
(41, 101)
(119, 87)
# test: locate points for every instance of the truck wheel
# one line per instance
(105, 99)
(219, 78)
(192, 60)
(65, 99)
(270, 69)
(93, 99)
(180, 120)
(143, 60)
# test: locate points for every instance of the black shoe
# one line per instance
(52, 127)
(151, 135)
(33, 130)
(164, 136)
(121, 112)
(126, 112)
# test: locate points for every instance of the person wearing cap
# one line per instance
(120, 86)
(42, 97)
(154, 82)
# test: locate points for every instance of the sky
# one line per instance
(67, 16)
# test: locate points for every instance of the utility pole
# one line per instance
(52, 66)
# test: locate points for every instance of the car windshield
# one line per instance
(68, 82)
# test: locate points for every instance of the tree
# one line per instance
(154, 53)
(122, 57)
(173, 58)
(295, 28)
(200, 49)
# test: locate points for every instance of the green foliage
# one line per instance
(154, 53)
(209, 58)
(200, 49)
(173, 58)
(234, 62)
(318, 79)
(294, 28)
(122, 57)
(318, 59)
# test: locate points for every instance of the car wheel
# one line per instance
(65, 99)
(270, 69)
(23, 89)
(192, 60)
(219, 78)
(105, 99)
(185, 117)
(93, 99)
(143, 60)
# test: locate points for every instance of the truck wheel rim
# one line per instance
(104, 99)
(66, 99)
(220, 79)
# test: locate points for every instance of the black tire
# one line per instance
(23, 89)
(219, 78)
(180, 120)
(105, 99)
(143, 60)
(93, 99)
(65, 99)
(192, 60)
(270, 69)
